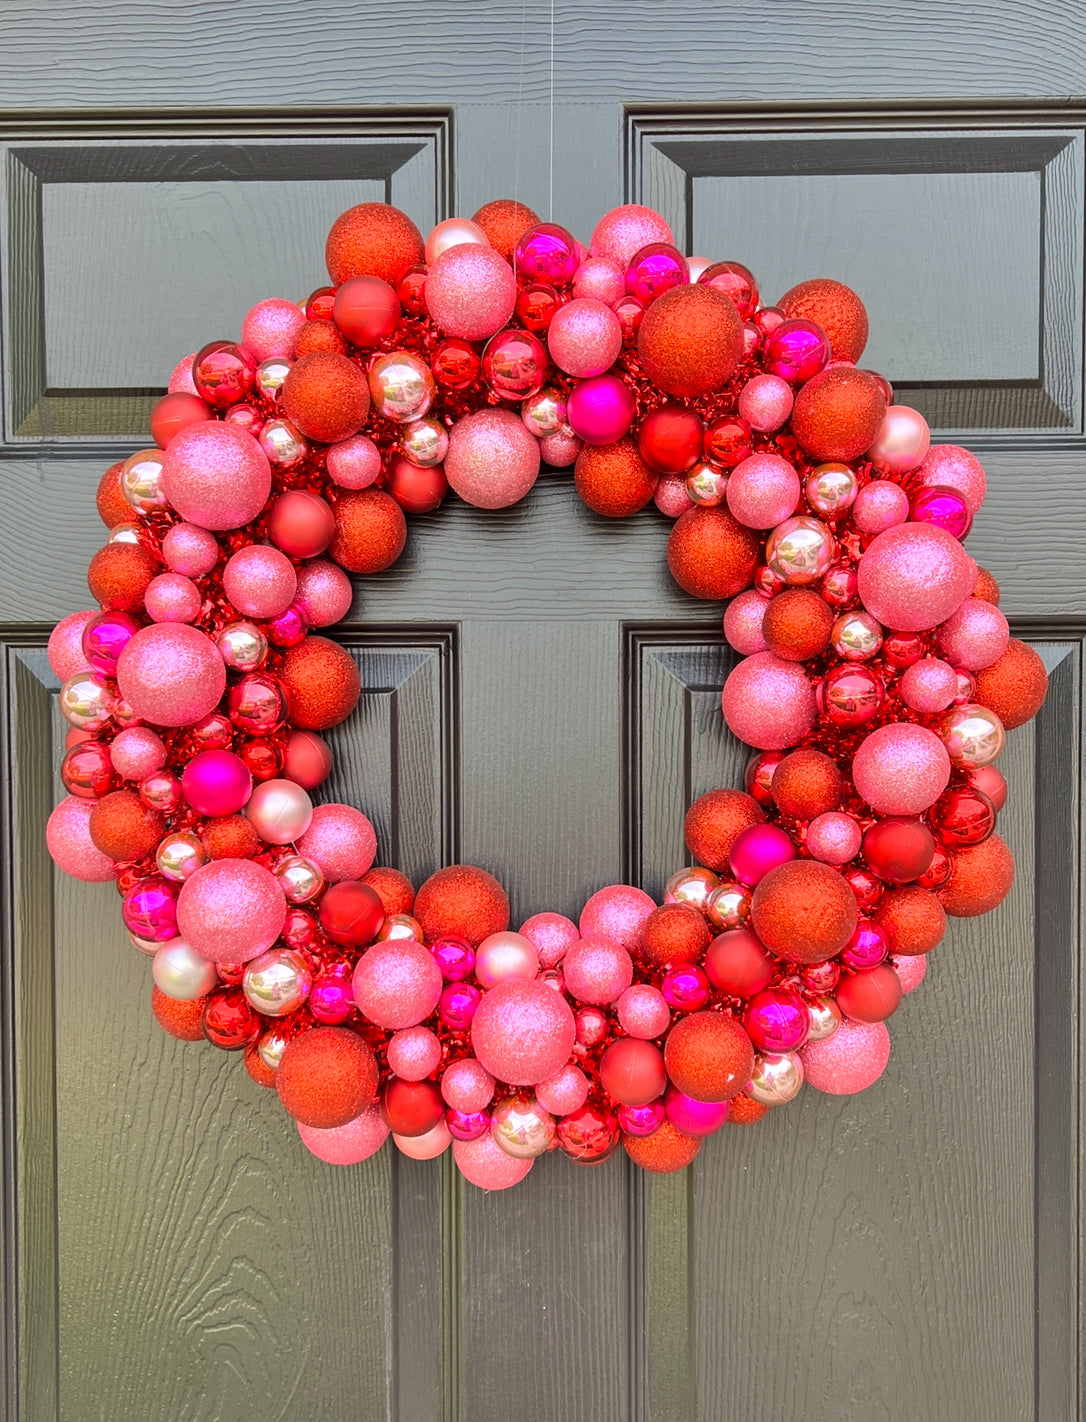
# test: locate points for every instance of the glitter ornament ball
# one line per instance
(914, 576)
(523, 1032)
(708, 1056)
(397, 984)
(901, 769)
(216, 476)
(492, 461)
(691, 340)
(470, 291)
(171, 674)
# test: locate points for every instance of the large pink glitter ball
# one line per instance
(190, 550)
(171, 597)
(181, 381)
(910, 969)
(901, 769)
(743, 618)
(324, 592)
(624, 230)
(949, 466)
(67, 836)
(975, 635)
(915, 576)
(466, 1085)
(349, 1144)
(618, 912)
(354, 463)
(597, 970)
(880, 505)
(523, 1032)
(929, 685)
(470, 291)
(340, 840)
(643, 1011)
(601, 409)
(564, 1092)
(600, 278)
(171, 674)
(485, 1164)
(768, 702)
(216, 782)
(765, 402)
(763, 490)
(397, 983)
(550, 934)
(492, 461)
(231, 910)
(65, 647)
(414, 1053)
(259, 581)
(758, 849)
(271, 327)
(852, 1059)
(137, 752)
(833, 838)
(584, 337)
(216, 475)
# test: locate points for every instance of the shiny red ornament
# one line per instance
(850, 695)
(962, 815)
(589, 1136)
(514, 364)
(728, 441)
(898, 850)
(455, 364)
(321, 304)
(536, 305)
(411, 1108)
(228, 1021)
(87, 771)
(256, 703)
(224, 374)
(670, 439)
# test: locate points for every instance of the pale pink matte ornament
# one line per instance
(67, 837)
(834, 838)
(743, 618)
(503, 957)
(623, 231)
(485, 1164)
(171, 597)
(280, 811)
(181, 381)
(271, 327)
(914, 576)
(171, 674)
(852, 1059)
(564, 1092)
(324, 593)
(65, 646)
(929, 685)
(902, 441)
(340, 840)
(414, 1053)
(190, 550)
(911, 970)
(453, 232)
(260, 581)
(354, 463)
(492, 461)
(470, 291)
(768, 702)
(466, 1085)
(763, 491)
(901, 769)
(600, 278)
(231, 910)
(643, 1011)
(584, 337)
(975, 635)
(397, 983)
(560, 450)
(523, 1032)
(672, 497)
(307, 760)
(597, 970)
(137, 752)
(550, 934)
(880, 505)
(349, 1144)
(765, 402)
(617, 912)
(428, 1146)
(949, 466)
(216, 475)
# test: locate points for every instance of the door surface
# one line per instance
(541, 700)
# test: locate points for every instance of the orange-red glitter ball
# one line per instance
(123, 827)
(320, 336)
(745, 1110)
(803, 911)
(327, 1077)
(371, 531)
(113, 507)
(373, 239)
(462, 901)
(180, 1019)
(797, 624)
(690, 340)
(711, 555)
(806, 783)
(713, 823)
(505, 223)
(326, 396)
(119, 574)
(258, 1068)
(675, 933)
(613, 479)
(980, 878)
(836, 308)
(395, 890)
(838, 412)
(1015, 686)
(321, 682)
(230, 837)
(709, 1056)
(986, 587)
(912, 918)
(665, 1151)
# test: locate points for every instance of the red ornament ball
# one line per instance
(709, 1056)
(713, 823)
(632, 1072)
(797, 624)
(371, 531)
(366, 310)
(394, 889)
(318, 336)
(1015, 686)
(351, 913)
(505, 223)
(119, 575)
(180, 1019)
(321, 683)
(837, 414)
(670, 439)
(676, 933)
(301, 523)
(326, 396)
(258, 1068)
(986, 587)
(175, 412)
(738, 965)
(807, 783)
(711, 555)
(745, 1110)
(462, 901)
(411, 1108)
(327, 1077)
(912, 918)
(691, 340)
(416, 490)
(803, 911)
(230, 837)
(123, 827)
(113, 507)
(870, 996)
(836, 308)
(373, 239)
(613, 479)
(665, 1151)
(980, 879)
(898, 850)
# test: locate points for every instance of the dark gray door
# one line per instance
(912, 1253)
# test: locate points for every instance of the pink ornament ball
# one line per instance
(765, 402)
(271, 327)
(67, 837)
(216, 782)
(181, 381)
(504, 956)
(65, 647)
(763, 491)
(523, 1032)
(324, 593)
(137, 752)
(414, 1053)
(280, 811)
(601, 409)
(769, 703)
(901, 769)
(833, 838)
(880, 505)
(492, 461)
(301, 523)
(190, 550)
(911, 970)
(341, 841)
(618, 912)
(466, 1085)
(564, 1092)
(171, 597)
(902, 441)
(428, 1146)
(758, 849)
(550, 934)
(623, 231)
(600, 279)
(354, 463)
(597, 970)
(349, 1144)
(470, 291)
(929, 685)
(171, 674)
(743, 618)
(231, 910)
(914, 576)
(584, 337)
(975, 635)
(560, 450)
(260, 581)
(307, 761)
(694, 1118)
(452, 233)
(483, 1162)
(851, 1059)
(397, 983)
(948, 466)
(216, 475)
(672, 497)
(643, 1011)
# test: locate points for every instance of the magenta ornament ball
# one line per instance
(550, 934)
(324, 593)
(137, 752)
(623, 231)
(584, 337)
(271, 327)
(852, 1059)
(617, 912)
(492, 461)
(694, 1118)
(65, 647)
(901, 769)
(769, 703)
(929, 685)
(397, 983)
(260, 581)
(758, 849)
(765, 402)
(948, 466)
(600, 410)
(216, 782)
(414, 1053)
(231, 910)
(948, 508)
(149, 910)
(483, 1162)
(349, 1144)
(190, 550)
(67, 836)
(523, 1032)
(470, 291)
(171, 674)
(341, 841)
(914, 576)
(280, 811)
(216, 475)
(171, 597)
(833, 838)
(466, 1085)
(975, 635)
(763, 490)
(564, 1092)
(597, 970)
(743, 618)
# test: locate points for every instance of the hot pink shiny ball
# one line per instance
(694, 1118)
(560, 450)
(901, 769)
(503, 957)
(67, 837)
(584, 337)
(484, 1163)
(171, 597)
(757, 850)
(975, 635)
(216, 475)
(564, 1092)
(743, 618)
(65, 647)
(231, 910)
(914, 576)
(763, 491)
(466, 1085)
(643, 1011)
(453, 232)
(414, 1053)
(470, 291)
(852, 1059)
(880, 505)
(949, 466)
(190, 550)
(600, 410)
(216, 782)
(597, 970)
(929, 685)
(341, 841)
(833, 838)
(349, 1144)
(354, 463)
(307, 760)
(271, 327)
(902, 441)
(181, 381)
(137, 752)
(672, 497)
(280, 811)
(910, 970)
(324, 593)
(601, 279)
(397, 983)
(550, 934)
(260, 581)
(523, 1032)
(623, 231)
(617, 912)
(171, 674)
(492, 461)
(768, 702)
(765, 402)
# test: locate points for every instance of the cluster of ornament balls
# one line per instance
(876, 682)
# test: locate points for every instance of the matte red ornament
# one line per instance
(176, 412)
(366, 310)
(871, 996)
(351, 913)
(675, 933)
(417, 491)
(898, 850)
(411, 1108)
(632, 1072)
(738, 963)
(803, 911)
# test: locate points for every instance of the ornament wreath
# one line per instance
(876, 683)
